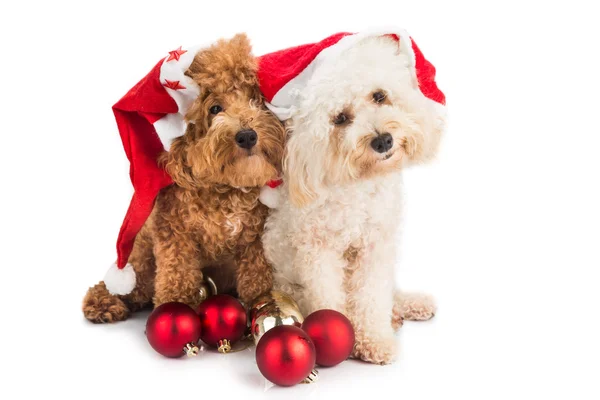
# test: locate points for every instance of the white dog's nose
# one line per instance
(382, 143)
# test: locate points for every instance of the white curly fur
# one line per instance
(332, 239)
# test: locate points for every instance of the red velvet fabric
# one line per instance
(426, 76)
(144, 104)
(274, 183)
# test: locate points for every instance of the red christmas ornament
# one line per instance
(333, 336)
(285, 355)
(223, 320)
(173, 329)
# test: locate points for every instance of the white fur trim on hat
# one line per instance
(120, 281)
(169, 128)
(172, 126)
(269, 196)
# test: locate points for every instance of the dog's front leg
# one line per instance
(178, 270)
(254, 274)
(320, 272)
(370, 302)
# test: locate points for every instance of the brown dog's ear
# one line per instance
(197, 120)
(233, 55)
(241, 42)
(176, 165)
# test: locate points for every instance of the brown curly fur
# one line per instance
(211, 215)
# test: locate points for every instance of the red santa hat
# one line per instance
(149, 117)
(285, 73)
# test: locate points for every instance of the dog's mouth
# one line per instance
(250, 156)
(247, 153)
(387, 156)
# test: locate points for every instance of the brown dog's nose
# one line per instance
(246, 139)
(382, 143)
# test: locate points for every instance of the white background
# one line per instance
(504, 229)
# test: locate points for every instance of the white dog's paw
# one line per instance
(397, 318)
(376, 351)
(412, 307)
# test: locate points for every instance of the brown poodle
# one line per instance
(211, 215)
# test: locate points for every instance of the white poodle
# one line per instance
(332, 240)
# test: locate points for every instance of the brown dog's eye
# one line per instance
(378, 97)
(340, 119)
(216, 109)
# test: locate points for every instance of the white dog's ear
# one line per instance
(405, 48)
(302, 166)
(429, 115)
(295, 165)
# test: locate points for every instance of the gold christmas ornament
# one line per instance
(273, 309)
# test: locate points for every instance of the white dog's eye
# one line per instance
(340, 119)
(379, 97)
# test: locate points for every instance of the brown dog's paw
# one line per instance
(99, 306)
(382, 351)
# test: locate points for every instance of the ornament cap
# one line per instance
(207, 289)
(191, 349)
(312, 377)
(224, 346)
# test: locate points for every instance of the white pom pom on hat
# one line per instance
(120, 281)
